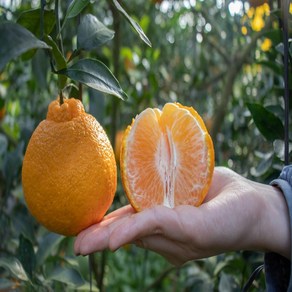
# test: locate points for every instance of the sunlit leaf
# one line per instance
(92, 33)
(14, 266)
(16, 40)
(133, 23)
(87, 287)
(96, 75)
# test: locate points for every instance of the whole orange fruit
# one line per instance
(167, 158)
(69, 171)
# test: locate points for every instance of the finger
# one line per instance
(126, 210)
(157, 220)
(176, 252)
(96, 238)
(172, 251)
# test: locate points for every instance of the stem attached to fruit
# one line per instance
(61, 97)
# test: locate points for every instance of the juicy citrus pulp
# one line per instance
(69, 171)
(167, 158)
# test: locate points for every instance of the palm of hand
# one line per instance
(221, 223)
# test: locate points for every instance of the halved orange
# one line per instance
(167, 158)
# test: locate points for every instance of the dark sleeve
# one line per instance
(277, 268)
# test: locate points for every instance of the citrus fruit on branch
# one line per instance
(167, 158)
(69, 171)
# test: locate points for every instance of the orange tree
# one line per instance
(225, 59)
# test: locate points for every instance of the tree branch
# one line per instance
(237, 61)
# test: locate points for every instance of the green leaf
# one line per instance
(276, 67)
(274, 34)
(92, 33)
(279, 149)
(47, 245)
(68, 276)
(227, 283)
(280, 48)
(75, 7)
(12, 162)
(87, 287)
(40, 68)
(15, 40)
(58, 56)
(264, 166)
(96, 75)
(267, 123)
(59, 59)
(26, 255)
(31, 20)
(133, 23)
(14, 266)
(3, 145)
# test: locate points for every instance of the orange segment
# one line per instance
(140, 165)
(167, 158)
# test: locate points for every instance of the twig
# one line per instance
(43, 4)
(116, 63)
(213, 79)
(159, 279)
(58, 26)
(58, 29)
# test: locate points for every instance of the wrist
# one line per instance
(274, 224)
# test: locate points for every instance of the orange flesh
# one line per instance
(169, 158)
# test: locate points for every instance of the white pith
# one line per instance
(167, 162)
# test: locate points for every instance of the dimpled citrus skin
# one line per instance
(69, 171)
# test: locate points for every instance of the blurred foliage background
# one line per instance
(225, 58)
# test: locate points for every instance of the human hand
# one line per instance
(236, 214)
